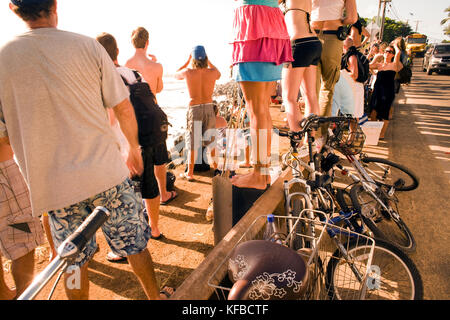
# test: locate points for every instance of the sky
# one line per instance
(176, 26)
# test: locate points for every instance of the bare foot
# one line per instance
(253, 180)
(166, 292)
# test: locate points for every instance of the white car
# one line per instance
(437, 58)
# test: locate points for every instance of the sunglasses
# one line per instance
(389, 51)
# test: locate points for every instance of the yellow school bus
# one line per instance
(416, 44)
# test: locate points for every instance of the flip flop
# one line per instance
(161, 236)
(112, 257)
(172, 196)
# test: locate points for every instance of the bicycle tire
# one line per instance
(389, 178)
(398, 277)
(381, 223)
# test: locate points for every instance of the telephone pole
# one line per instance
(417, 24)
(384, 15)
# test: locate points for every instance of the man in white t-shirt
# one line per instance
(55, 89)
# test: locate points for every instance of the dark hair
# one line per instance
(34, 11)
(200, 64)
(139, 37)
(109, 43)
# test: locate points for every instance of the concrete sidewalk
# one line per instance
(418, 138)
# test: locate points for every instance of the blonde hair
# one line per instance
(139, 38)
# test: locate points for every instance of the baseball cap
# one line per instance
(21, 3)
(199, 53)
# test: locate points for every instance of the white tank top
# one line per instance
(325, 10)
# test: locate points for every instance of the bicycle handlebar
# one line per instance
(313, 122)
(77, 240)
(69, 249)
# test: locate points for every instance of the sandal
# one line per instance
(185, 176)
(173, 195)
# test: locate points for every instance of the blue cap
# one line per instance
(199, 53)
(21, 3)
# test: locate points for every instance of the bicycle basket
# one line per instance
(348, 137)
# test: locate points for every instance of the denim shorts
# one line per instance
(126, 231)
(257, 71)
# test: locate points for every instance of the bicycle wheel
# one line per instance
(392, 275)
(383, 224)
(390, 174)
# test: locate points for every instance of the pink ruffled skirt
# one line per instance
(260, 35)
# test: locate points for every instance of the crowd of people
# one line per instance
(68, 113)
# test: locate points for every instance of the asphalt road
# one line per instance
(419, 138)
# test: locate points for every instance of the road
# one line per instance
(419, 138)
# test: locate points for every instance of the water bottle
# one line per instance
(271, 232)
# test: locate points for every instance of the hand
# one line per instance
(134, 162)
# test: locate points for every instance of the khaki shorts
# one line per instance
(200, 118)
(20, 232)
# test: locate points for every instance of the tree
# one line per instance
(445, 20)
(394, 29)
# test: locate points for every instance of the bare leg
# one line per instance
(142, 266)
(291, 79)
(5, 292)
(191, 164)
(152, 206)
(48, 234)
(308, 86)
(383, 130)
(257, 96)
(161, 176)
(22, 271)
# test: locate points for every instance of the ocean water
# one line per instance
(174, 100)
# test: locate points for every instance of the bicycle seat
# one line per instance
(264, 270)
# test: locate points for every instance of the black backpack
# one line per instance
(152, 121)
(405, 74)
(363, 64)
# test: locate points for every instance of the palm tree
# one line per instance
(444, 21)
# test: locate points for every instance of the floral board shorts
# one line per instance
(126, 231)
(20, 232)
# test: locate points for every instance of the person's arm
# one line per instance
(160, 84)
(353, 67)
(366, 36)
(351, 15)
(180, 74)
(124, 113)
(397, 64)
(212, 67)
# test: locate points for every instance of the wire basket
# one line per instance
(348, 137)
(330, 274)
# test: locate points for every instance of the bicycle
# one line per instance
(320, 195)
(67, 252)
(373, 191)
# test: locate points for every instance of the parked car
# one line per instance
(437, 58)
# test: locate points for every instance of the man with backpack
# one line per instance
(150, 119)
(152, 72)
(355, 68)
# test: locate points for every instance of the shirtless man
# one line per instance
(200, 75)
(152, 72)
(146, 64)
